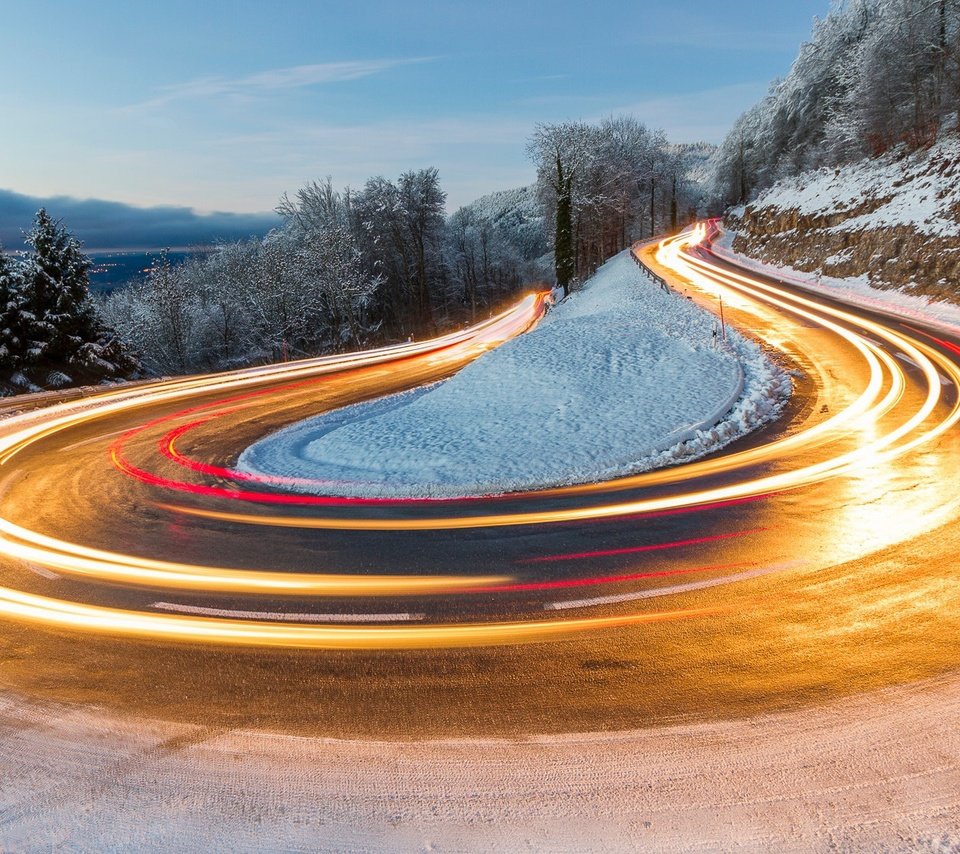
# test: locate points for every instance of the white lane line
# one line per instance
(93, 439)
(668, 591)
(904, 358)
(286, 617)
(43, 572)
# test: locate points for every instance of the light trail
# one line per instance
(883, 449)
(657, 592)
(563, 584)
(866, 409)
(69, 558)
(23, 544)
(878, 409)
(632, 550)
(54, 613)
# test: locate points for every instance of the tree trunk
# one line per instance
(674, 216)
(564, 259)
(653, 207)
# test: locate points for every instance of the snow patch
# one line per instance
(921, 191)
(621, 378)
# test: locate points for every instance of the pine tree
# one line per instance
(58, 293)
(13, 321)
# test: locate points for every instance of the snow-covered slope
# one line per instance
(619, 378)
(894, 219)
(517, 217)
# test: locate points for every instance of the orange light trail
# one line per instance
(884, 448)
(42, 610)
(871, 408)
(23, 544)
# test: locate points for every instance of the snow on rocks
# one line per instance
(894, 220)
(620, 378)
(920, 190)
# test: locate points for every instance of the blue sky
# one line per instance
(226, 105)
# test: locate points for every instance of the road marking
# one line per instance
(286, 617)
(93, 439)
(904, 358)
(668, 591)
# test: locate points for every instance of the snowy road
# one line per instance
(879, 773)
(740, 621)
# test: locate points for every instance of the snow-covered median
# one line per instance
(620, 378)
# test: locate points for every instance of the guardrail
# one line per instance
(29, 401)
(649, 273)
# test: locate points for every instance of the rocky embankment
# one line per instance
(893, 221)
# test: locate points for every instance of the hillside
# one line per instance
(894, 220)
(516, 219)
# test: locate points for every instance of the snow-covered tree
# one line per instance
(401, 229)
(219, 282)
(62, 315)
(13, 314)
(604, 186)
(345, 270)
(324, 231)
(496, 246)
(169, 318)
(875, 74)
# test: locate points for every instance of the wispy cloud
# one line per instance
(263, 82)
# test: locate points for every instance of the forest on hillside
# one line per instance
(876, 75)
(350, 269)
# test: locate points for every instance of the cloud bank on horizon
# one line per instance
(113, 225)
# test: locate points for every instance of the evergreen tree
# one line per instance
(58, 293)
(563, 237)
(13, 320)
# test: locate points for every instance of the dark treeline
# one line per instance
(51, 334)
(875, 75)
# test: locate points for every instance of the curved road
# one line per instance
(799, 569)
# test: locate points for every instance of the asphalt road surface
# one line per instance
(802, 567)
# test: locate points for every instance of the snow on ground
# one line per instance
(874, 773)
(920, 190)
(621, 377)
(856, 290)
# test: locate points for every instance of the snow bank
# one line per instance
(921, 191)
(85, 780)
(621, 377)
